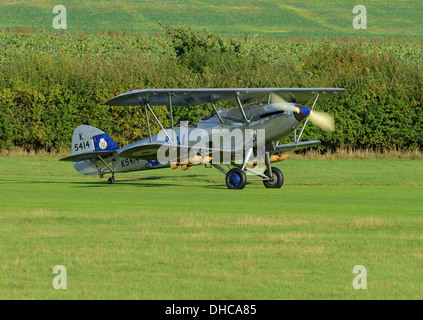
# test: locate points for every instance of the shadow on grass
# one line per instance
(163, 181)
(214, 186)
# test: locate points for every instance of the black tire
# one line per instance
(236, 179)
(276, 181)
(111, 180)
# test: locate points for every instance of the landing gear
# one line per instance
(102, 167)
(111, 180)
(236, 179)
(276, 179)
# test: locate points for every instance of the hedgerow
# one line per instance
(51, 83)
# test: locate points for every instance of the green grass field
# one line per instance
(183, 235)
(274, 18)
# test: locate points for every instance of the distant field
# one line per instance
(183, 235)
(273, 18)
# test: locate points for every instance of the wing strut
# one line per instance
(148, 124)
(241, 108)
(217, 112)
(159, 123)
(171, 116)
(305, 122)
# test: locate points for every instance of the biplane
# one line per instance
(265, 115)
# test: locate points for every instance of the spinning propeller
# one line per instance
(321, 119)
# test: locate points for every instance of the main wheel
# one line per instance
(276, 181)
(111, 180)
(236, 179)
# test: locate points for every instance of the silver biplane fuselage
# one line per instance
(277, 124)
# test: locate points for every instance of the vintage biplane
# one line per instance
(276, 112)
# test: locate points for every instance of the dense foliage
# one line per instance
(51, 83)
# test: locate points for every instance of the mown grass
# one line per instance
(307, 18)
(170, 234)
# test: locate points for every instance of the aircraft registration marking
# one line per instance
(128, 162)
(82, 146)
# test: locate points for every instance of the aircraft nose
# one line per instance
(305, 111)
(302, 112)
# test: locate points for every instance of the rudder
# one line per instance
(90, 139)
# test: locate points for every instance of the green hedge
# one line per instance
(51, 83)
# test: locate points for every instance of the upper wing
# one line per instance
(193, 97)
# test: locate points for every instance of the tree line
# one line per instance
(52, 82)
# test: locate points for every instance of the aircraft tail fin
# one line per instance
(88, 139)
(89, 143)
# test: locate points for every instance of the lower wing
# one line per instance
(296, 146)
